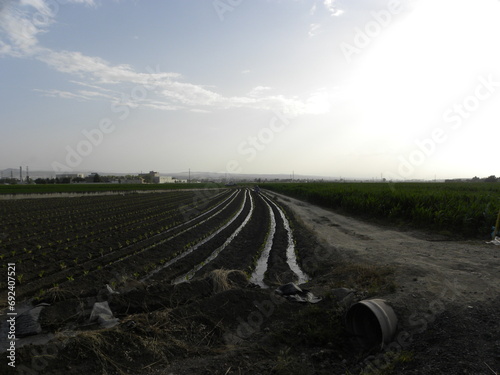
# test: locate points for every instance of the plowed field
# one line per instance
(190, 279)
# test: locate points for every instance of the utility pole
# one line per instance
(189, 175)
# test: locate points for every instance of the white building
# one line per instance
(164, 180)
(155, 178)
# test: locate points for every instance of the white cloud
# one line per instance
(189, 94)
(258, 91)
(314, 29)
(332, 7)
(5, 49)
(202, 111)
(85, 2)
(65, 94)
(86, 84)
(100, 71)
(21, 23)
(318, 102)
(18, 30)
(165, 91)
(313, 10)
(39, 5)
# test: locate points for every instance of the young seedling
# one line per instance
(40, 293)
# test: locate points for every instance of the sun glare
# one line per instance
(421, 63)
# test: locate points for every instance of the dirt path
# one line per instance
(427, 266)
(448, 292)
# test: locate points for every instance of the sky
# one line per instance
(356, 89)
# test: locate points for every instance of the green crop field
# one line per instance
(464, 209)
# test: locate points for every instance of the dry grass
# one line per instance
(153, 338)
(95, 345)
(57, 293)
(223, 280)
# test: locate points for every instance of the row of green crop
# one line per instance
(467, 209)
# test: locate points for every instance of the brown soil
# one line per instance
(444, 292)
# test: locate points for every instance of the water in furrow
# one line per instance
(291, 258)
(261, 267)
(146, 248)
(189, 275)
(193, 248)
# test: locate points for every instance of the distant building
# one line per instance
(155, 178)
(164, 180)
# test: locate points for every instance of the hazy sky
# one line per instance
(354, 88)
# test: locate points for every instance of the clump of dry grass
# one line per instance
(223, 279)
(142, 340)
(56, 294)
(94, 346)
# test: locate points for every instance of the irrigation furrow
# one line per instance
(197, 245)
(96, 224)
(110, 259)
(189, 275)
(117, 253)
(158, 243)
(291, 258)
(81, 208)
(262, 263)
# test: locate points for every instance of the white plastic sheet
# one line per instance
(496, 241)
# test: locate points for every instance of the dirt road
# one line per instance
(447, 296)
(425, 264)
